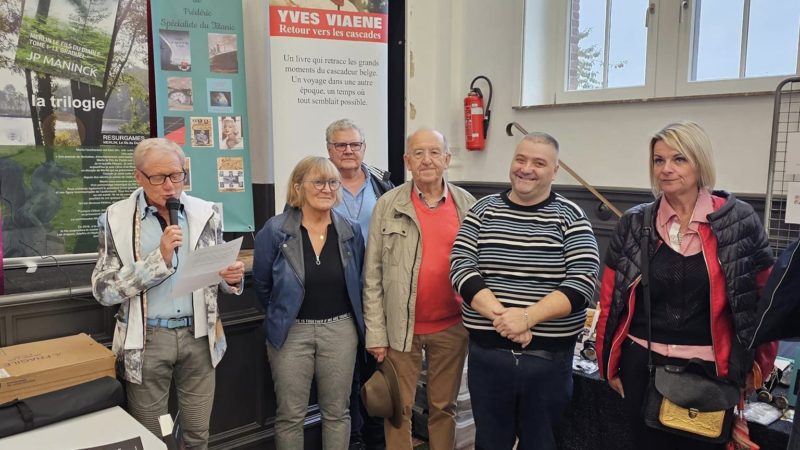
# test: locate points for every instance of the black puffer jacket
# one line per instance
(744, 256)
(779, 312)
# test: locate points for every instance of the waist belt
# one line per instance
(544, 354)
(328, 320)
(179, 322)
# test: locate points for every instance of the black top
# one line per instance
(680, 297)
(325, 288)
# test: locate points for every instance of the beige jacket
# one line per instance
(391, 265)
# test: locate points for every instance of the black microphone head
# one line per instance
(173, 203)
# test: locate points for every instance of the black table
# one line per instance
(595, 420)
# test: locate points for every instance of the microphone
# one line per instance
(173, 205)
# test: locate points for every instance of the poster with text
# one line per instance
(2, 274)
(328, 60)
(792, 203)
(73, 104)
(65, 38)
(200, 82)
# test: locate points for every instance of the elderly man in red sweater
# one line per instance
(409, 303)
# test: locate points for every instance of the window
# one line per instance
(607, 44)
(737, 45)
(639, 49)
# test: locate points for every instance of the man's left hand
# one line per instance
(511, 321)
(523, 338)
(233, 274)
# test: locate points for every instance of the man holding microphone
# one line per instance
(139, 256)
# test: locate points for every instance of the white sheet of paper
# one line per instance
(793, 154)
(793, 203)
(202, 266)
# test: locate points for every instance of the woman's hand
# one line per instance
(616, 385)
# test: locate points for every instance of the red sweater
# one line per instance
(438, 306)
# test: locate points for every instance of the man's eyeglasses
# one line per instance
(342, 146)
(320, 184)
(419, 153)
(157, 180)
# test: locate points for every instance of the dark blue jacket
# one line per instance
(279, 271)
(779, 310)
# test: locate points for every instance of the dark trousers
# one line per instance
(794, 438)
(635, 379)
(363, 427)
(520, 396)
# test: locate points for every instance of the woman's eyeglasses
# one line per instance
(320, 184)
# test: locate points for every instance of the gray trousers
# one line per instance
(327, 352)
(175, 354)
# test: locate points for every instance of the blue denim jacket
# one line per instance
(278, 270)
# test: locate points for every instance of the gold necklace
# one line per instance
(321, 234)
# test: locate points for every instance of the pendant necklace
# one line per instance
(321, 238)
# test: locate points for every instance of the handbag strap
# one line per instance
(24, 411)
(644, 263)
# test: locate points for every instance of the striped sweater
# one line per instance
(522, 253)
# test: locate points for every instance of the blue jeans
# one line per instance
(518, 396)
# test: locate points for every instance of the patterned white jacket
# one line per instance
(120, 277)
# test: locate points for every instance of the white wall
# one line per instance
(452, 41)
(258, 99)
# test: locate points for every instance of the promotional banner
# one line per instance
(201, 101)
(328, 60)
(2, 274)
(73, 43)
(73, 104)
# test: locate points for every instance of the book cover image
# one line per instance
(223, 53)
(68, 39)
(176, 53)
(179, 94)
(220, 95)
(202, 132)
(175, 129)
(187, 182)
(230, 174)
(230, 133)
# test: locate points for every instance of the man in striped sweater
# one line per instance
(525, 262)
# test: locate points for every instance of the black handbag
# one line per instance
(683, 400)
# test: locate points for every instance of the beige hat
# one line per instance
(381, 394)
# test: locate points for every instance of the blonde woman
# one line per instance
(708, 257)
(307, 275)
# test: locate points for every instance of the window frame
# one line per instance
(563, 95)
(670, 29)
(686, 87)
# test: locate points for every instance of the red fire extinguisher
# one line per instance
(476, 117)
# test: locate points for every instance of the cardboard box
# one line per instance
(45, 366)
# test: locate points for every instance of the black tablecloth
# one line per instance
(596, 421)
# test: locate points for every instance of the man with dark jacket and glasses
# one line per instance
(363, 185)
